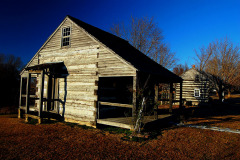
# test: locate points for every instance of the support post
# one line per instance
(49, 92)
(20, 98)
(28, 95)
(181, 103)
(41, 94)
(26, 117)
(156, 102)
(19, 113)
(20, 94)
(134, 96)
(171, 97)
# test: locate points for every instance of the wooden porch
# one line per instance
(127, 119)
(127, 122)
(36, 101)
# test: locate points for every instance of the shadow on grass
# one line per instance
(76, 125)
(215, 112)
(34, 121)
(9, 115)
(150, 131)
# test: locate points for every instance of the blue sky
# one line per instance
(186, 24)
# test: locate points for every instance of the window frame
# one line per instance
(196, 90)
(67, 36)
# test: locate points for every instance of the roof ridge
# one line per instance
(128, 52)
(77, 20)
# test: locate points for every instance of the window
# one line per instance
(66, 36)
(196, 92)
(197, 78)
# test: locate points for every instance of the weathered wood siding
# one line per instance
(86, 60)
(189, 85)
(110, 64)
(34, 61)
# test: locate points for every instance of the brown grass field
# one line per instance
(20, 140)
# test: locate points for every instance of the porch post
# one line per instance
(171, 97)
(28, 95)
(41, 95)
(134, 96)
(180, 104)
(156, 102)
(20, 99)
(49, 92)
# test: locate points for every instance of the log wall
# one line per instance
(189, 85)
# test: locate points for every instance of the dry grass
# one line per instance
(19, 140)
(59, 141)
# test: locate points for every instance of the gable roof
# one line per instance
(129, 53)
(191, 73)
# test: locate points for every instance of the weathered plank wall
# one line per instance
(86, 60)
(34, 61)
(110, 65)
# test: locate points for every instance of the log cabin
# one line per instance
(195, 87)
(82, 73)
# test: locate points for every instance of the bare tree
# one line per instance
(220, 60)
(146, 36)
(180, 69)
(9, 79)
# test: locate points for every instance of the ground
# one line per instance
(20, 140)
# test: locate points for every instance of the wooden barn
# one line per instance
(83, 74)
(195, 89)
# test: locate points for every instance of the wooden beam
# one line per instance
(28, 92)
(35, 71)
(49, 92)
(41, 93)
(156, 102)
(134, 101)
(20, 94)
(180, 105)
(56, 104)
(171, 98)
(116, 104)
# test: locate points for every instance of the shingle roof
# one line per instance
(129, 53)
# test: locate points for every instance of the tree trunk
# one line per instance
(220, 96)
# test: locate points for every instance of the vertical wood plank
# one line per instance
(171, 97)
(56, 104)
(20, 98)
(96, 104)
(156, 102)
(53, 93)
(20, 94)
(49, 92)
(181, 105)
(134, 96)
(41, 93)
(28, 92)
